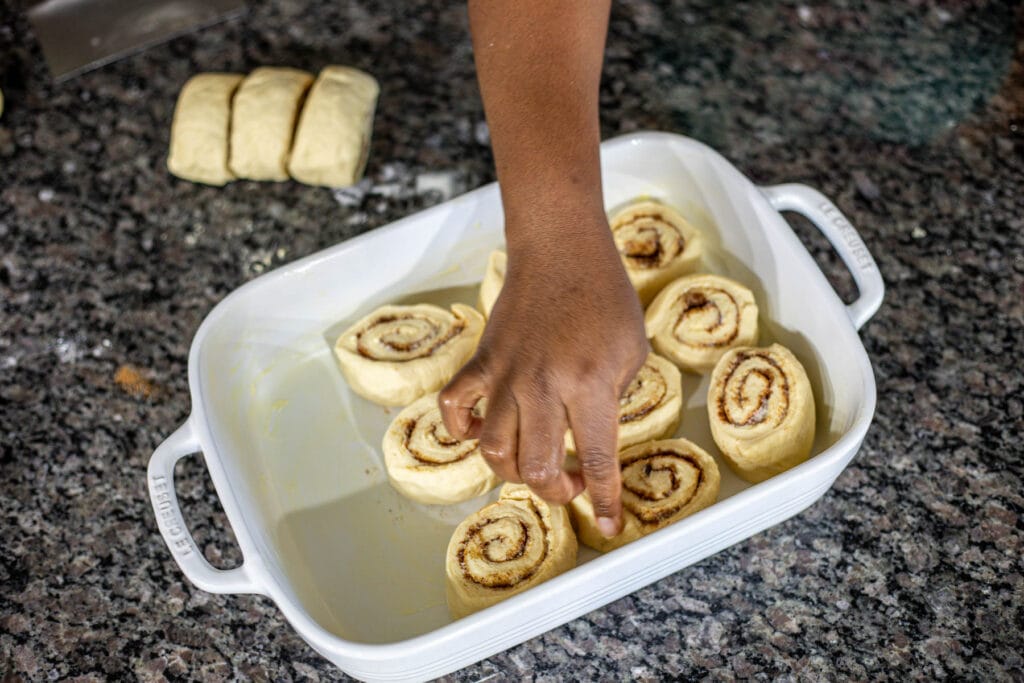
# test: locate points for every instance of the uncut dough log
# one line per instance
(662, 482)
(397, 354)
(264, 112)
(503, 549)
(201, 129)
(427, 464)
(333, 137)
(761, 410)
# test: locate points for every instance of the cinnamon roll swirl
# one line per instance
(761, 410)
(656, 244)
(662, 482)
(399, 353)
(427, 464)
(494, 279)
(651, 406)
(505, 548)
(697, 318)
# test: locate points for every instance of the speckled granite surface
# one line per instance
(910, 115)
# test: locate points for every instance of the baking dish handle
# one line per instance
(819, 209)
(172, 525)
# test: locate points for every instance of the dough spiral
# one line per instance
(761, 411)
(505, 548)
(651, 406)
(698, 318)
(427, 464)
(656, 244)
(397, 354)
(662, 482)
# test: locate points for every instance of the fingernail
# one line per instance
(607, 527)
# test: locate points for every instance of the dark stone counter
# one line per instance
(909, 115)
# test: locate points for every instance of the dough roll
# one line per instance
(662, 482)
(427, 464)
(697, 318)
(656, 244)
(263, 117)
(505, 548)
(397, 354)
(494, 279)
(332, 141)
(201, 128)
(761, 410)
(651, 406)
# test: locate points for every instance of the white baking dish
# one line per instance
(294, 455)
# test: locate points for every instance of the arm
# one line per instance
(566, 335)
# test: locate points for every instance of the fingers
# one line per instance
(595, 425)
(499, 435)
(542, 450)
(457, 400)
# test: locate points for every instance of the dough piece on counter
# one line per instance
(662, 482)
(263, 118)
(651, 406)
(494, 280)
(333, 137)
(697, 318)
(200, 130)
(505, 548)
(397, 354)
(761, 410)
(427, 464)
(656, 244)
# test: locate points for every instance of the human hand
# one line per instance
(564, 340)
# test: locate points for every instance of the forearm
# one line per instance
(539, 67)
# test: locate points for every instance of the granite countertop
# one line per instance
(910, 115)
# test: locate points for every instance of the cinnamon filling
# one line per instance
(699, 307)
(654, 241)
(655, 514)
(432, 338)
(757, 404)
(644, 394)
(499, 549)
(449, 449)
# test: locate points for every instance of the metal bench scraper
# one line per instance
(78, 35)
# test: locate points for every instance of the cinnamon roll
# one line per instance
(263, 115)
(494, 279)
(651, 406)
(505, 548)
(399, 353)
(662, 482)
(657, 245)
(201, 128)
(332, 140)
(761, 410)
(427, 464)
(697, 318)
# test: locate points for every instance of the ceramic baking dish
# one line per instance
(295, 457)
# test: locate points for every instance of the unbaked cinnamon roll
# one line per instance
(656, 244)
(494, 279)
(662, 482)
(651, 406)
(427, 464)
(505, 548)
(761, 410)
(397, 354)
(697, 318)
